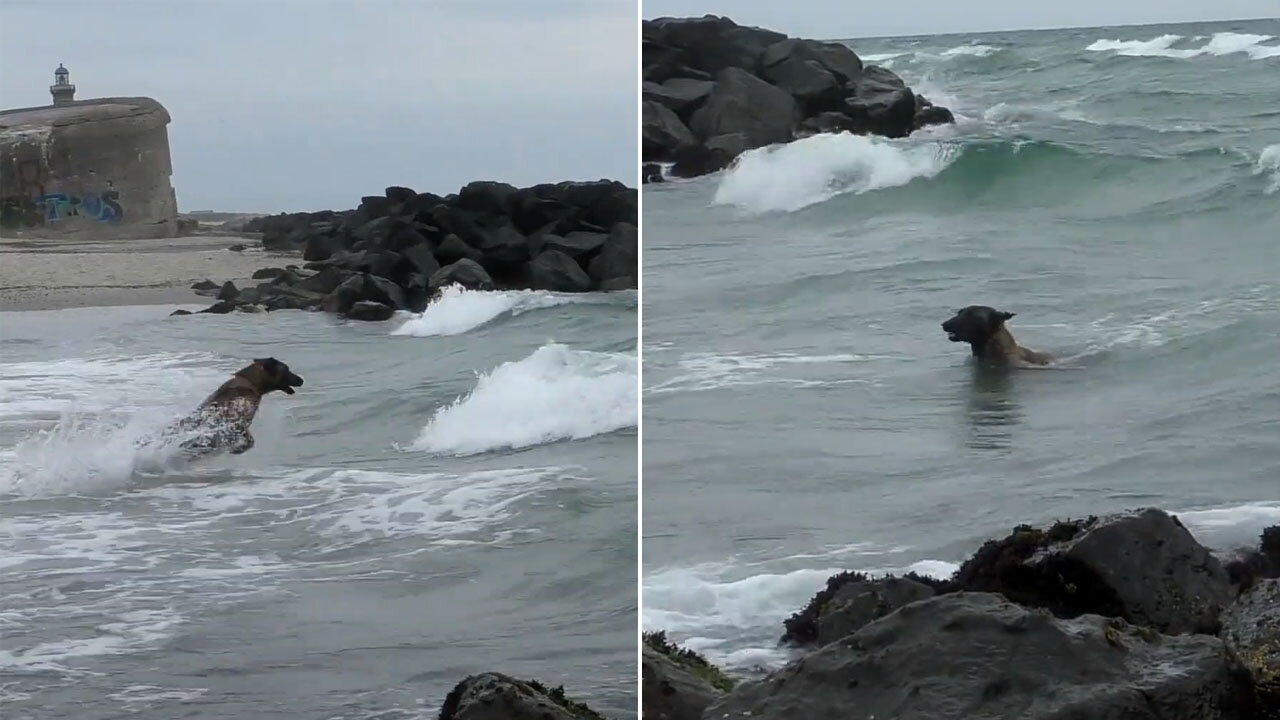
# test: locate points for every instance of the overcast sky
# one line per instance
(309, 104)
(844, 19)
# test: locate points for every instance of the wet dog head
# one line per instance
(270, 374)
(975, 324)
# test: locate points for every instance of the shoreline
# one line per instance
(78, 273)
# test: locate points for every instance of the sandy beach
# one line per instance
(56, 274)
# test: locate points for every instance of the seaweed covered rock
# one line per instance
(977, 655)
(494, 696)
(406, 245)
(849, 601)
(1142, 566)
(708, 78)
(1251, 628)
(676, 683)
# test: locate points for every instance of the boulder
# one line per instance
(486, 198)
(494, 696)
(677, 684)
(682, 95)
(841, 62)
(321, 247)
(370, 311)
(1142, 566)
(382, 290)
(344, 296)
(503, 246)
(698, 160)
(420, 259)
(228, 291)
(743, 103)
(850, 601)
(651, 173)
(398, 194)
(662, 133)
(1249, 564)
(977, 655)
(206, 287)
(618, 256)
(267, 273)
(880, 102)
(933, 115)
(578, 245)
(453, 249)
(323, 282)
(555, 271)
(710, 43)
(464, 272)
(1251, 628)
(813, 86)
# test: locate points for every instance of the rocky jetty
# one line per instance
(395, 251)
(1123, 616)
(714, 89)
(494, 696)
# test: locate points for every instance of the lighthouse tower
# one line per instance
(64, 93)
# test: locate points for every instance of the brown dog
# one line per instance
(983, 328)
(221, 423)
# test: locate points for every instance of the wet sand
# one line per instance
(57, 274)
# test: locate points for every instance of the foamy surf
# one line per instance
(1269, 164)
(817, 168)
(1223, 43)
(556, 393)
(736, 620)
(970, 51)
(459, 310)
(712, 371)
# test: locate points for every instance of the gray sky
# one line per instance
(309, 104)
(844, 19)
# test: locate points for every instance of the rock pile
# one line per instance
(397, 250)
(714, 89)
(1124, 616)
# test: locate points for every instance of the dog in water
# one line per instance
(221, 423)
(984, 329)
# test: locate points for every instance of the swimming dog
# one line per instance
(221, 422)
(983, 328)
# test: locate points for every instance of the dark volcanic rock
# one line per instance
(618, 258)
(682, 95)
(933, 115)
(977, 655)
(370, 311)
(466, 273)
(206, 287)
(662, 133)
(709, 43)
(1251, 628)
(838, 60)
(815, 87)
(494, 696)
(553, 270)
(677, 684)
(851, 600)
(743, 103)
(879, 102)
(1143, 566)
(228, 291)
(399, 248)
(697, 160)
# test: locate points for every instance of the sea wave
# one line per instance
(713, 371)
(1223, 43)
(971, 50)
(1269, 164)
(556, 393)
(459, 310)
(817, 168)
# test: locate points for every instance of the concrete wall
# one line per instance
(94, 169)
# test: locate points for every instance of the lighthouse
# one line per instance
(64, 93)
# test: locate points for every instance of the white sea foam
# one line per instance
(709, 610)
(129, 632)
(1269, 164)
(556, 393)
(817, 168)
(1223, 43)
(712, 371)
(970, 50)
(459, 310)
(104, 408)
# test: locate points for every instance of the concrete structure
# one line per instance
(94, 169)
(62, 90)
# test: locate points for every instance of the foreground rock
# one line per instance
(677, 684)
(978, 655)
(713, 89)
(1141, 566)
(400, 248)
(494, 696)
(1251, 628)
(851, 600)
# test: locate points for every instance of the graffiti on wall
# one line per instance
(30, 201)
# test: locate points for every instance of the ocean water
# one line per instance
(447, 494)
(1117, 188)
